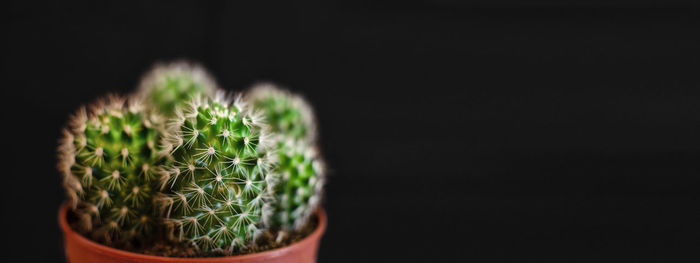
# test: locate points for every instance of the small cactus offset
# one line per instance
(108, 157)
(300, 188)
(286, 113)
(217, 183)
(301, 170)
(167, 86)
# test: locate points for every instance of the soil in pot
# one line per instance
(297, 247)
(267, 242)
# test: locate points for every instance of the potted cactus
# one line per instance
(181, 172)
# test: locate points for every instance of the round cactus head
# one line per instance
(217, 180)
(108, 156)
(167, 86)
(298, 193)
(286, 113)
(298, 189)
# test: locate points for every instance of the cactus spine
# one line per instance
(301, 170)
(218, 178)
(108, 157)
(168, 86)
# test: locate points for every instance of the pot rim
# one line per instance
(68, 232)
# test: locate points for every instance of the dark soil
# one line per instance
(166, 248)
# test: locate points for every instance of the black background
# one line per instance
(563, 131)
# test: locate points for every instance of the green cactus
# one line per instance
(167, 86)
(298, 193)
(218, 180)
(286, 113)
(108, 157)
(299, 189)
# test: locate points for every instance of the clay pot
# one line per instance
(82, 250)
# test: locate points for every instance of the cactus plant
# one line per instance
(217, 181)
(215, 178)
(286, 113)
(108, 157)
(170, 85)
(299, 189)
(298, 193)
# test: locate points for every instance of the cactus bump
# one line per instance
(170, 85)
(108, 157)
(217, 184)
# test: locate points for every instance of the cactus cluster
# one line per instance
(108, 158)
(191, 165)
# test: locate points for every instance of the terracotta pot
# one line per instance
(80, 249)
